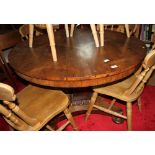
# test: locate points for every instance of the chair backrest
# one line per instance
(11, 111)
(115, 27)
(24, 31)
(7, 92)
(133, 28)
(143, 74)
(40, 29)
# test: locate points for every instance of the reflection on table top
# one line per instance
(80, 63)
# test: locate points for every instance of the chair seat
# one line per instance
(40, 103)
(117, 90)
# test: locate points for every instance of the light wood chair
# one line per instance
(24, 32)
(50, 33)
(127, 90)
(102, 26)
(94, 32)
(33, 107)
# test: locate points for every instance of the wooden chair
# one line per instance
(50, 32)
(8, 40)
(24, 31)
(101, 28)
(94, 32)
(34, 107)
(127, 90)
(129, 29)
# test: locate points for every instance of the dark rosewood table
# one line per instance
(80, 63)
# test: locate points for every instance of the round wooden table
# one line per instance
(80, 63)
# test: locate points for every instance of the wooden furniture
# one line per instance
(94, 32)
(80, 63)
(132, 29)
(101, 27)
(35, 107)
(8, 40)
(24, 32)
(127, 90)
(50, 33)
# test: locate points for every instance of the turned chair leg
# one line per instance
(129, 115)
(70, 118)
(90, 106)
(31, 29)
(67, 30)
(101, 34)
(94, 32)
(72, 30)
(127, 30)
(51, 40)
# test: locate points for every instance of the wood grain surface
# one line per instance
(80, 63)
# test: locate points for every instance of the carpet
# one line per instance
(142, 121)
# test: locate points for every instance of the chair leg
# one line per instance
(129, 115)
(111, 104)
(52, 41)
(31, 29)
(90, 107)
(139, 104)
(72, 30)
(127, 30)
(70, 118)
(94, 32)
(101, 34)
(67, 31)
(49, 128)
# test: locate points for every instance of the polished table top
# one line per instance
(80, 63)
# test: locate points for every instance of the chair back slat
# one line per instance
(145, 79)
(143, 76)
(139, 79)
